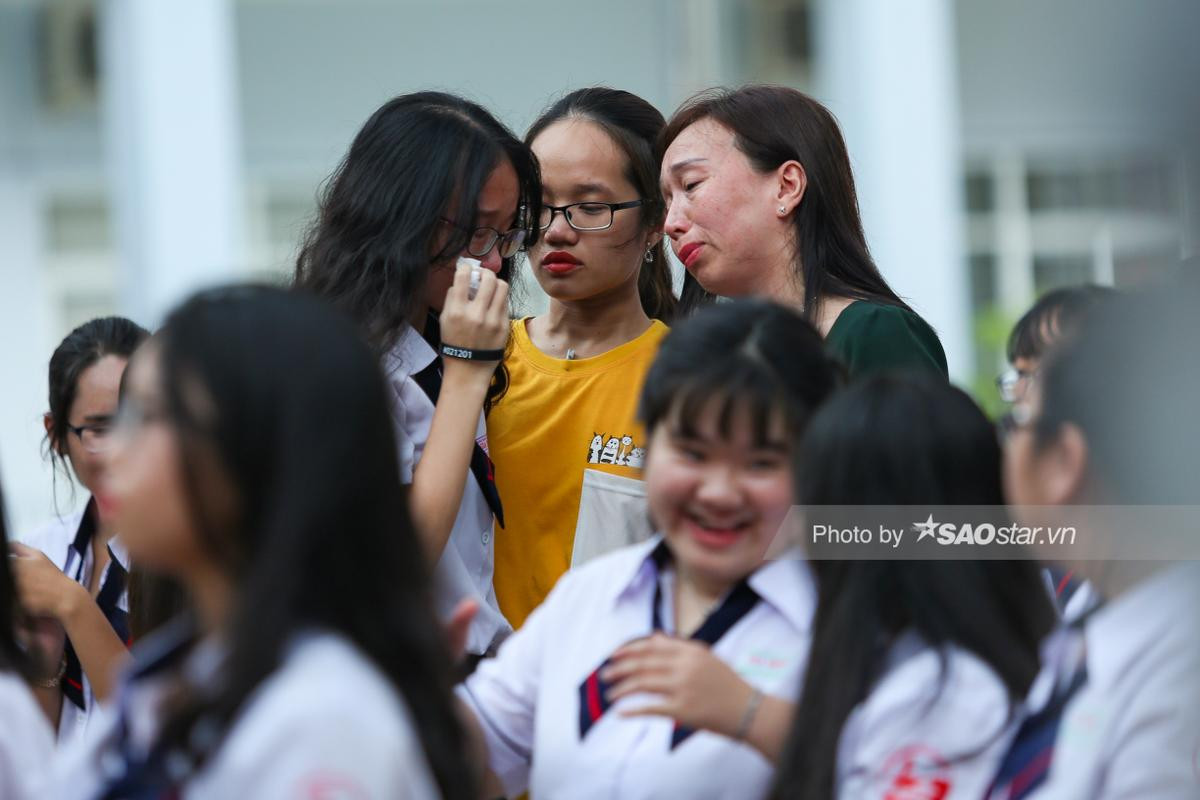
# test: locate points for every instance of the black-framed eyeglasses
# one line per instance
(590, 216)
(483, 239)
(94, 437)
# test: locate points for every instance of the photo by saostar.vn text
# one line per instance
(941, 533)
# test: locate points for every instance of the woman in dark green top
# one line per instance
(761, 202)
(870, 337)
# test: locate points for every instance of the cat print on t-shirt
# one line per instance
(616, 450)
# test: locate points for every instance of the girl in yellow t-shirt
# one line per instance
(567, 448)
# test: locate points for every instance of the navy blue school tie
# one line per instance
(1027, 763)
(737, 604)
(109, 601)
(1066, 584)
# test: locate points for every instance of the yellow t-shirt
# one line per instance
(558, 419)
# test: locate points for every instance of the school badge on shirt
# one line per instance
(331, 786)
(919, 773)
(768, 666)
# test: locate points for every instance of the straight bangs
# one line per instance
(1035, 337)
(745, 393)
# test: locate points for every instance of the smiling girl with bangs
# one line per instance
(696, 638)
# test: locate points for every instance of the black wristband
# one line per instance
(472, 355)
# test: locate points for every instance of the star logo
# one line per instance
(926, 528)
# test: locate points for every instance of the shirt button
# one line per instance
(487, 535)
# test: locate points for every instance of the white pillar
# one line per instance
(697, 41)
(888, 71)
(1014, 235)
(173, 143)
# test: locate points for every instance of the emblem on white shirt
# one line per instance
(919, 773)
(332, 787)
(767, 665)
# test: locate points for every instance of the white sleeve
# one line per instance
(53, 538)
(503, 692)
(1156, 747)
(26, 742)
(401, 423)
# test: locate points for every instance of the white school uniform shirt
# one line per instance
(466, 566)
(935, 726)
(55, 539)
(1133, 729)
(527, 699)
(326, 724)
(26, 741)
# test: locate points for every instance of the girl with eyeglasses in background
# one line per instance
(429, 179)
(565, 438)
(72, 574)
(1119, 714)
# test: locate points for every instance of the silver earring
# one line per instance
(783, 209)
(649, 259)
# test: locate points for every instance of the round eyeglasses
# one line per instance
(592, 216)
(483, 239)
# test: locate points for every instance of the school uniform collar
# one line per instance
(785, 583)
(409, 355)
(179, 645)
(86, 530)
(119, 552)
(1120, 632)
(162, 649)
(81, 544)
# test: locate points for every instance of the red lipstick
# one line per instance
(689, 253)
(560, 262)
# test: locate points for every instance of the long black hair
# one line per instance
(775, 124)
(82, 347)
(296, 414)
(903, 440)
(746, 354)
(154, 598)
(634, 126)
(12, 657)
(420, 158)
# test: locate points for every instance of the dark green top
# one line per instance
(872, 337)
